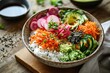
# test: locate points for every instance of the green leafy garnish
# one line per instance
(40, 2)
(56, 2)
(34, 12)
(51, 36)
(53, 25)
(44, 41)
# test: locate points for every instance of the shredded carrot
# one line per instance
(47, 40)
(90, 28)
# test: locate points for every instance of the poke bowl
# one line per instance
(63, 37)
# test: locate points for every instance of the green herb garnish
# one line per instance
(51, 36)
(40, 2)
(53, 25)
(34, 12)
(56, 2)
(44, 41)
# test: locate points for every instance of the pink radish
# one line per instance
(42, 23)
(63, 31)
(53, 11)
(33, 25)
(53, 18)
(46, 26)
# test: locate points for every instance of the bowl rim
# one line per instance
(87, 1)
(26, 5)
(69, 62)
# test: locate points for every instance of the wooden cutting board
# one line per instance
(29, 61)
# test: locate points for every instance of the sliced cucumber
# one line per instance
(95, 44)
(83, 43)
(92, 44)
(91, 49)
(85, 17)
(87, 36)
(87, 52)
(90, 41)
(81, 12)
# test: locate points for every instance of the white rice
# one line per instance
(50, 55)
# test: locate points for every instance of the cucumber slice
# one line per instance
(81, 12)
(85, 18)
(92, 44)
(95, 44)
(83, 43)
(89, 51)
(87, 36)
(90, 41)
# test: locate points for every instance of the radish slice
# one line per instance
(41, 22)
(46, 26)
(33, 25)
(53, 11)
(53, 18)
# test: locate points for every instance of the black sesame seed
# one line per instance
(6, 45)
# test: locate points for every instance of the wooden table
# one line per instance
(10, 37)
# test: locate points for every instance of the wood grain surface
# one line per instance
(10, 37)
